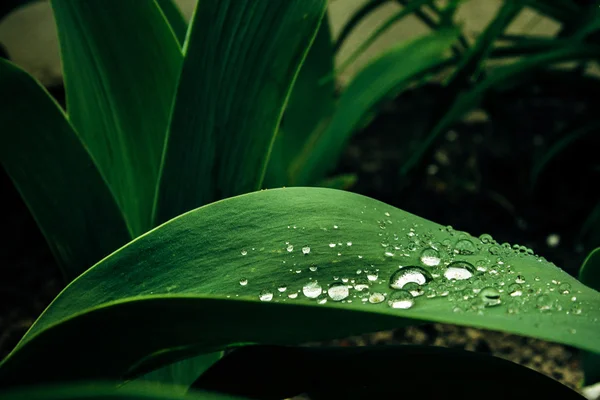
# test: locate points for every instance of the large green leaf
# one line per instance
(393, 70)
(55, 175)
(377, 372)
(311, 104)
(241, 61)
(590, 275)
(105, 391)
(501, 76)
(121, 62)
(266, 267)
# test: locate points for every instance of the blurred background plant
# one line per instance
(498, 136)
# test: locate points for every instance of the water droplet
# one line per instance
(244, 252)
(312, 290)
(413, 288)
(338, 291)
(388, 254)
(293, 295)
(313, 268)
(401, 299)
(282, 288)
(576, 309)
(372, 276)
(361, 284)
(290, 248)
(376, 298)
(489, 297)
(306, 250)
(459, 270)
(387, 214)
(495, 250)
(265, 295)
(520, 279)
(565, 288)
(322, 300)
(243, 281)
(515, 290)
(332, 245)
(486, 238)
(430, 257)
(409, 274)
(464, 246)
(335, 227)
(348, 243)
(544, 302)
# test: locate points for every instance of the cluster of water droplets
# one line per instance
(470, 274)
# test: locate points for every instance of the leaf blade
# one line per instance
(193, 265)
(240, 50)
(119, 87)
(46, 160)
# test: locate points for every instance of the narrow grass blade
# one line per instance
(468, 100)
(590, 275)
(106, 390)
(470, 65)
(121, 62)
(311, 103)
(55, 175)
(241, 62)
(384, 372)
(358, 16)
(279, 267)
(175, 19)
(559, 146)
(392, 71)
(381, 29)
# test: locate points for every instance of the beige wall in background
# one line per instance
(29, 33)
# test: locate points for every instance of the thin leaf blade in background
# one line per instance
(241, 61)
(107, 390)
(390, 71)
(55, 175)
(280, 267)
(121, 62)
(311, 103)
(500, 76)
(175, 19)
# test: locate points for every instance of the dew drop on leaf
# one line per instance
(243, 281)
(312, 290)
(293, 295)
(544, 302)
(313, 268)
(465, 247)
(290, 248)
(414, 289)
(376, 298)
(459, 270)
(486, 238)
(338, 291)
(430, 257)
(372, 276)
(306, 250)
(409, 274)
(265, 295)
(564, 288)
(520, 279)
(361, 284)
(489, 297)
(282, 288)
(244, 252)
(515, 290)
(332, 245)
(401, 299)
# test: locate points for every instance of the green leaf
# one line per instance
(470, 65)
(393, 70)
(406, 11)
(180, 375)
(187, 286)
(104, 391)
(175, 19)
(377, 372)
(241, 62)
(311, 103)
(560, 145)
(501, 76)
(121, 62)
(590, 275)
(55, 175)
